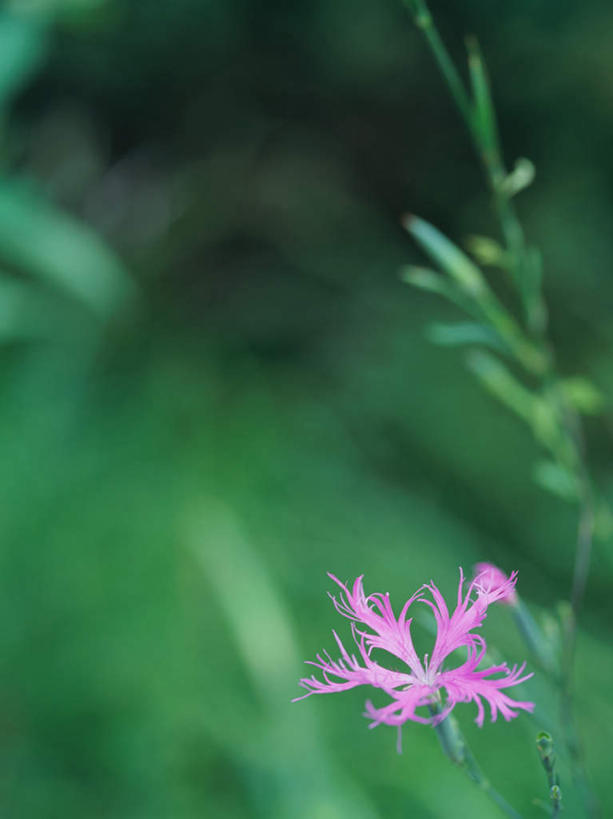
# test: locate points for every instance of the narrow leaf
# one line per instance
(520, 177)
(425, 279)
(450, 258)
(487, 251)
(454, 335)
(50, 245)
(484, 117)
(22, 47)
(499, 381)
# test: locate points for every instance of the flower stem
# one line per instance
(456, 749)
(476, 110)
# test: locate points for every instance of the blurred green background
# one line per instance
(214, 389)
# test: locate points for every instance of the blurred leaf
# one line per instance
(451, 259)
(556, 479)
(498, 380)
(484, 117)
(267, 645)
(426, 279)
(545, 421)
(452, 335)
(520, 177)
(583, 395)
(487, 251)
(46, 243)
(22, 47)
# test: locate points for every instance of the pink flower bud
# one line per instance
(493, 584)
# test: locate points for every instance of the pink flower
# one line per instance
(493, 582)
(422, 682)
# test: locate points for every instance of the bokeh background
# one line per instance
(214, 388)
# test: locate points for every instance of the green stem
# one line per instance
(423, 20)
(456, 749)
(491, 159)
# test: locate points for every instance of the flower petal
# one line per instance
(465, 684)
(376, 613)
(350, 673)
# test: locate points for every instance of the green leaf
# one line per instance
(453, 335)
(487, 251)
(22, 47)
(520, 177)
(450, 258)
(425, 279)
(556, 479)
(499, 381)
(583, 395)
(44, 242)
(484, 116)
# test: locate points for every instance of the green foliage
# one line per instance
(176, 479)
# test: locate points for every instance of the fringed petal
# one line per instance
(375, 612)
(349, 673)
(465, 684)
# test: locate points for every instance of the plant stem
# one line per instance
(423, 20)
(490, 157)
(456, 749)
(489, 153)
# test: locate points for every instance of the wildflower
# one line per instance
(493, 582)
(422, 683)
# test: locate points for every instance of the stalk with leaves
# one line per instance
(511, 355)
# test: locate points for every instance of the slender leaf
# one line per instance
(44, 242)
(484, 117)
(499, 381)
(425, 279)
(454, 335)
(450, 258)
(22, 47)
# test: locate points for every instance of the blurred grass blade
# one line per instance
(450, 258)
(22, 47)
(40, 240)
(499, 381)
(264, 639)
(290, 745)
(454, 335)
(484, 116)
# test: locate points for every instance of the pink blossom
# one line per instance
(494, 583)
(424, 681)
